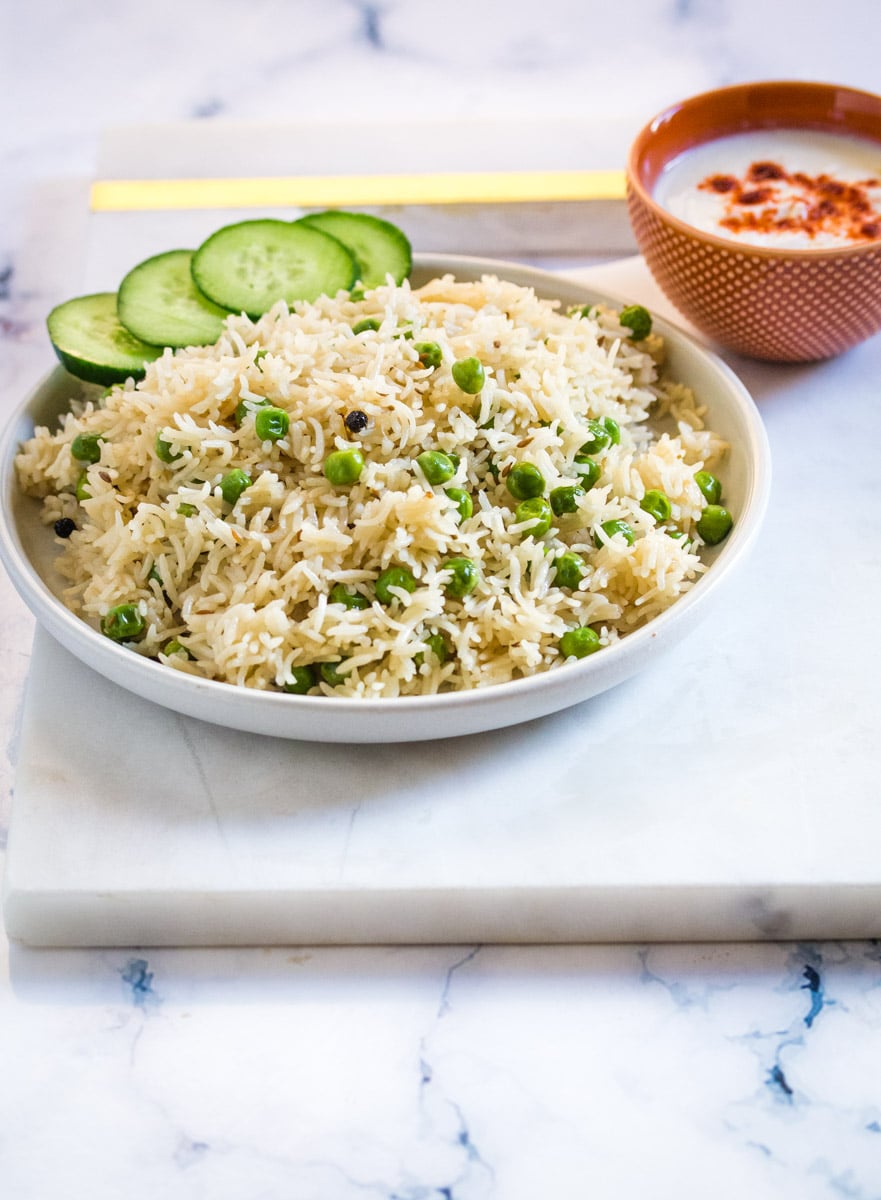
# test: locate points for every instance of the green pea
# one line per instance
(394, 577)
(164, 451)
(244, 408)
(86, 447)
(436, 466)
(357, 293)
(430, 354)
(565, 499)
(579, 642)
(301, 680)
(344, 467)
(331, 673)
(187, 510)
(569, 570)
(438, 648)
(587, 469)
(368, 325)
(638, 320)
(123, 623)
(176, 647)
(462, 501)
(611, 528)
(340, 594)
(469, 375)
(657, 505)
(82, 487)
(599, 437)
(464, 578)
(538, 512)
(525, 481)
(677, 535)
(405, 332)
(715, 524)
(613, 429)
(233, 484)
(585, 310)
(454, 458)
(709, 486)
(271, 424)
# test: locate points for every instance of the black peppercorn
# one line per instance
(64, 527)
(356, 421)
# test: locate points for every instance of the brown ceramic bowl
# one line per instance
(785, 305)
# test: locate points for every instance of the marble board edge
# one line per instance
(388, 916)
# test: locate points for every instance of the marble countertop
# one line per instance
(407, 1073)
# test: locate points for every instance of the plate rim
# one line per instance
(79, 637)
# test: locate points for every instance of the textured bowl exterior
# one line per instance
(764, 306)
(778, 305)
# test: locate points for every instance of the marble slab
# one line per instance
(260, 150)
(730, 791)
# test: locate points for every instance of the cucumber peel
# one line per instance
(182, 297)
(379, 247)
(93, 344)
(159, 303)
(249, 266)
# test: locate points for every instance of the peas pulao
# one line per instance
(398, 492)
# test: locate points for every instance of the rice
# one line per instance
(245, 589)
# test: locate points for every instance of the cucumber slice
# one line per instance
(93, 344)
(247, 267)
(380, 247)
(159, 303)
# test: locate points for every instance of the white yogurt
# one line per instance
(790, 212)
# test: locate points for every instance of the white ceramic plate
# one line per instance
(27, 550)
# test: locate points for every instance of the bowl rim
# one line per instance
(57, 619)
(795, 254)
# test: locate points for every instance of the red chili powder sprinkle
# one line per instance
(813, 204)
(765, 170)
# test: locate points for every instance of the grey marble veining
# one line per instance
(456, 1073)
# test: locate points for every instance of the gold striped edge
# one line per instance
(327, 191)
